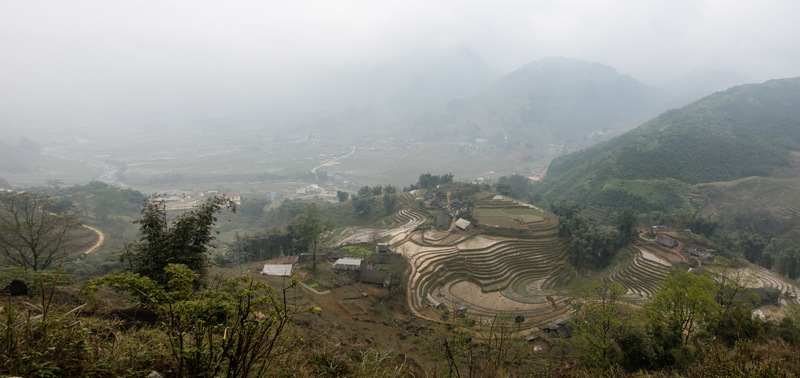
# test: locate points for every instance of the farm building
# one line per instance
(280, 270)
(382, 248)
(235, 197)
(347, 263)
(666, 241)
(698, 251)
(559, 328)
(374, 276)
(309, 257)
(385, 258)
(463, 224)
(443, 222)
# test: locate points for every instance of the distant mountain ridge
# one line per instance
(552, 100)
(747, 130)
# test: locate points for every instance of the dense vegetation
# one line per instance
(694, 168)
(744, 131)
(202, 325)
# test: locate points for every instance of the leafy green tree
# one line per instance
(504, 189)
(33, 234)
(253, 207)
(599, 319)
(734, 321)
(308, 229)
(789, 263)
(365, 191)
(627, 222)
(389, 189)
(182, 241)
(377, 190)
(684, 304)
(362, 204)
(342, 195)
(427, 180)
(235, 329)
(389, 203)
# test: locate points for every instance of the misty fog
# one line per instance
(133, 93)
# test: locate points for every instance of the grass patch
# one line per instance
(357, 251)
(508, 217)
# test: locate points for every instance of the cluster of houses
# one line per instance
(184, 201)
(690, 249)
(437, 199)
(368, 273)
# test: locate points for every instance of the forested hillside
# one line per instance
(744, 131)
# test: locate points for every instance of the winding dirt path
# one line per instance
(100, 239)
(334, 161)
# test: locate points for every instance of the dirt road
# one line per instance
(100, 239)
(332, 162)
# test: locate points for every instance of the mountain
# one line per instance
(749, 130)
(553, 100)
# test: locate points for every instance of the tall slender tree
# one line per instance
(308, 229)
(182, 241)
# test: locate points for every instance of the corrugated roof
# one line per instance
(347, 263)
(281, 270)
(462, 223)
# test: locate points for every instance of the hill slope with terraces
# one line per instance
(512, 263)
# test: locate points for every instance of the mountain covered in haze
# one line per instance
(749, 130)
(552, 100)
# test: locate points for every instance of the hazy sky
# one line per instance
(61, 52)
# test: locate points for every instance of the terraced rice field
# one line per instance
(491, 275)
(640, 272)
(509, 213)
(778, 195)
(400, 223)
(768, 279)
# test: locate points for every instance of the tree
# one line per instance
(33, 234)
(389, 189)
(308, 228)
(182, 241)
(365, 191)
(253, 207)
(627, 220)
(362, 204)
(236, 328)
(684, 303)
(599, 320)
(342, 195)
(389, 203)
(503, 188)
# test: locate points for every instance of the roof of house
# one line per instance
(374, 276)
(347, 262)
(443, 221)
(281, 270)
(666, 241)
(462, 223)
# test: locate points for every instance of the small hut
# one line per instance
(347, 263)
(280, 270)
